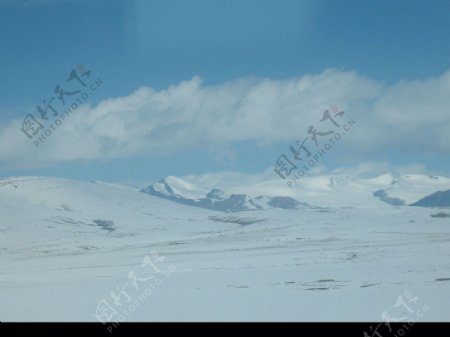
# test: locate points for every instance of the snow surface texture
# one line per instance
(68, 247)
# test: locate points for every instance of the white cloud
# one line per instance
(409, 115)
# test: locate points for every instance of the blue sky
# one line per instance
(158, 44)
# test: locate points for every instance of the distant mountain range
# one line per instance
(179, 191)
(233, 192)
(230, 194)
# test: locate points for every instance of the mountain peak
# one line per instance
(216, 194)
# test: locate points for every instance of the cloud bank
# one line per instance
(412, 116)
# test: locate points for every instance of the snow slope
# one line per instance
(67, 245)
(436, 199)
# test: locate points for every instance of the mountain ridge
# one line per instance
(217, 199)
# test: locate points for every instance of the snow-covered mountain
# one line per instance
(409, 188)
(180, 191)
(67, 247)
(233, 192)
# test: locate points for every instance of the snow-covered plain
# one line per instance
(67, 246)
